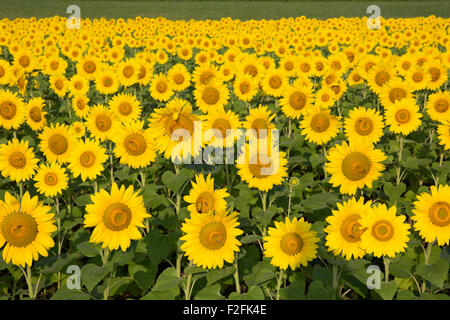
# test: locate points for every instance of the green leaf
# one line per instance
(261, 272)
(402, 268)
(65, 293)
(209, 293)
(430, 296)
(55, 263)
(83, 200)
(436, 273)
(387, 290)
(160, 245)
(253, 293)
(250, 238)
(92, 275)
(89, 249)
(295, 291)
(216, 275)
(316, 291)
(166, 287)
(144, 274)
(175, 181)
(406, 295)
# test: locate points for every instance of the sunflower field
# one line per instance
(114, 184)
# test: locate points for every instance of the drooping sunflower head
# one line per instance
(291, 243)
(25, 229)
(116, 217)
(210, 239)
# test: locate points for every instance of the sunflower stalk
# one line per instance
(386, 262)
(111, 163)
(398, 168)
(236, 274)
(58, 222)
(279, 282)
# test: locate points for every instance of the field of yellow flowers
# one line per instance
(224, 159)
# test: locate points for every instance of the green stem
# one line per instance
(236, 274)
(264, 200)
(58, 222)
(279, 282)
(400, 151)
(105, 256)
(386, 262)
(111, 163)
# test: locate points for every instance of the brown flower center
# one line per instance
(364, 126)
(213, 235)
(356, 166)
(441, 105)
(350, 229)
(211, 95)
(87, 159)
(402, 116)
(17, 160)
(291, 243)
(103, 122)
(117, 216)
(58, 144)
(19, 229)
(297, 100)
(50, 179)
(135, 144)
(8, 110)
(383, 230)
(397, 94)
(320, 122)
(439, 214)
(205, 202)
(381, 78)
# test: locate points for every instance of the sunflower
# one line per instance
(403, 116)
(364, 125)
(296, 99)
(245, 87)
(325, 97)
(17, 160)
(59, 84)
(291, 243)
(35, 114)
(106, 81)
(86, 159)
(88, 67)
(102, 123)
(78, 129)
(395, 90)
(261, 168)
(222, 128)
(203, 198)
(116, 217)
(78, 85)
(443, 131)
(126, 107)
(319, 125)
(134, 145)
(417, 78)
(51, 179)
(161, 88)
(210, 238)
(354, 166)
(438, 106)
(26, 228)
(386, 233)
(259, 122)
(432, 215)
(211, 96)
(12, 110)
(344, 231)
(438, 74)
(127, 72)
(24, 60)
(378, 76)
(170, 125)
(5, 72)
(204, 73)
(80, 106)
(56, 142)
(179, 77)
(274, 82)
